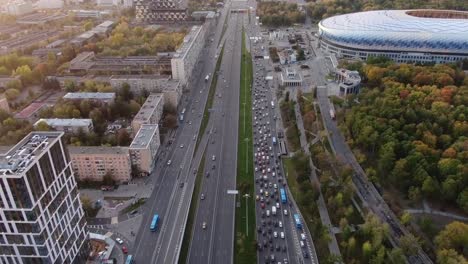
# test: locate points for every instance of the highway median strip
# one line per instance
(209, 103)
(245, 235)
(192, 213)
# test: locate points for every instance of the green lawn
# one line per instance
(309, 213)
(245, 238)
(209, 103)
(191, 217)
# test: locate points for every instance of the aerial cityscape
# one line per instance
(233, 132)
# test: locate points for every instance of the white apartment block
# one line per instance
(93, 163)
(41, 217)
(184, 60)
(68, 125)
(19, 8)
(150, 112)
(144, 147)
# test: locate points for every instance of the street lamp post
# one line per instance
(246, 196)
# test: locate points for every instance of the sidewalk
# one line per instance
(324, 216)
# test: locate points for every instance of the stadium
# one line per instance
(425, 36)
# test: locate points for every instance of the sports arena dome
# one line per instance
(403, 35)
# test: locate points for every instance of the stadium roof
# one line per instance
(422, 30)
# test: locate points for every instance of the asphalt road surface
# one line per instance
(264, 118)
(213, 232)
(174, 183)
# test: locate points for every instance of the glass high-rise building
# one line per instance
(41, 217)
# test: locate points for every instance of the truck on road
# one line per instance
(273, 210)
(207, 78)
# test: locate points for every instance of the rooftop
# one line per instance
(53, 122)
(95, 96)
(29, 110)
(147, 109)
(144, 136)
(98, 150)
(18, 158)
(188, 41)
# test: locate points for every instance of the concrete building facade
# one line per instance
(144, 148)
(93, 163)
(290, 77)
(171, 89)
(68, 125)
(349, 82)
(4, 104)
(105, 98)
(185, 58)
(41, 216)
(150, 112)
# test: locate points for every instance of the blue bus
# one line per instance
(297, 220)
(284, 199)
(129, 259)
(154, 223)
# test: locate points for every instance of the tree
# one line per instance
(12, 94)
(450, 256)
(409, 244)
(43, 126)
(405, 218)
(396, 256)
(123, 138)
(170, 121)
(453, 236)
(14, 84)
(88, 25)
(108, 179)
(367, 249)
(87, 204)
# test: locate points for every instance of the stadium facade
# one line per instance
(425, 36)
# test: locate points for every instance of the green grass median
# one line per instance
(245, 237)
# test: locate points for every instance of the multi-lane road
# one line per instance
(174, 183)
(213, 231)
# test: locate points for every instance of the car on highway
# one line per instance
(169, 162)
(120, 241)
(202, 196)
(275, 234)
(213, 158)
(204, 225)
(181, 145)
(124, 249)
(302, 243)
(207, 174)
(282, 235)
(181, 185)
(303, 237)
(285, 212)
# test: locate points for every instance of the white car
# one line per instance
(275, 234)
(303, 237)
(204, 225)
(282, 235)
(120, 241)
(302, 243)
(280, 224)
(285, 212)
(277, 205)
(213, 158)
(181, 145)
(169, 162)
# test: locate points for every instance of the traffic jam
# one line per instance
(273, 207)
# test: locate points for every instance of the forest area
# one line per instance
(323, 9)
(276, 14)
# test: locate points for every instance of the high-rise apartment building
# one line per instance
(41, 218)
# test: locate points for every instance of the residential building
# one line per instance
(184, 60)
(50, 4)
(88, 62)
(290, 77)
(144, 147)
(348, 81)
(151, 11)
(68, 125)
(4, 80)
(4, 104)
(98, 31)
(105, 98)
(150, 112)
(93, 163)
(19, 8)
(31, 112)
(139, 84)
(89, 13)
(41, 217)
